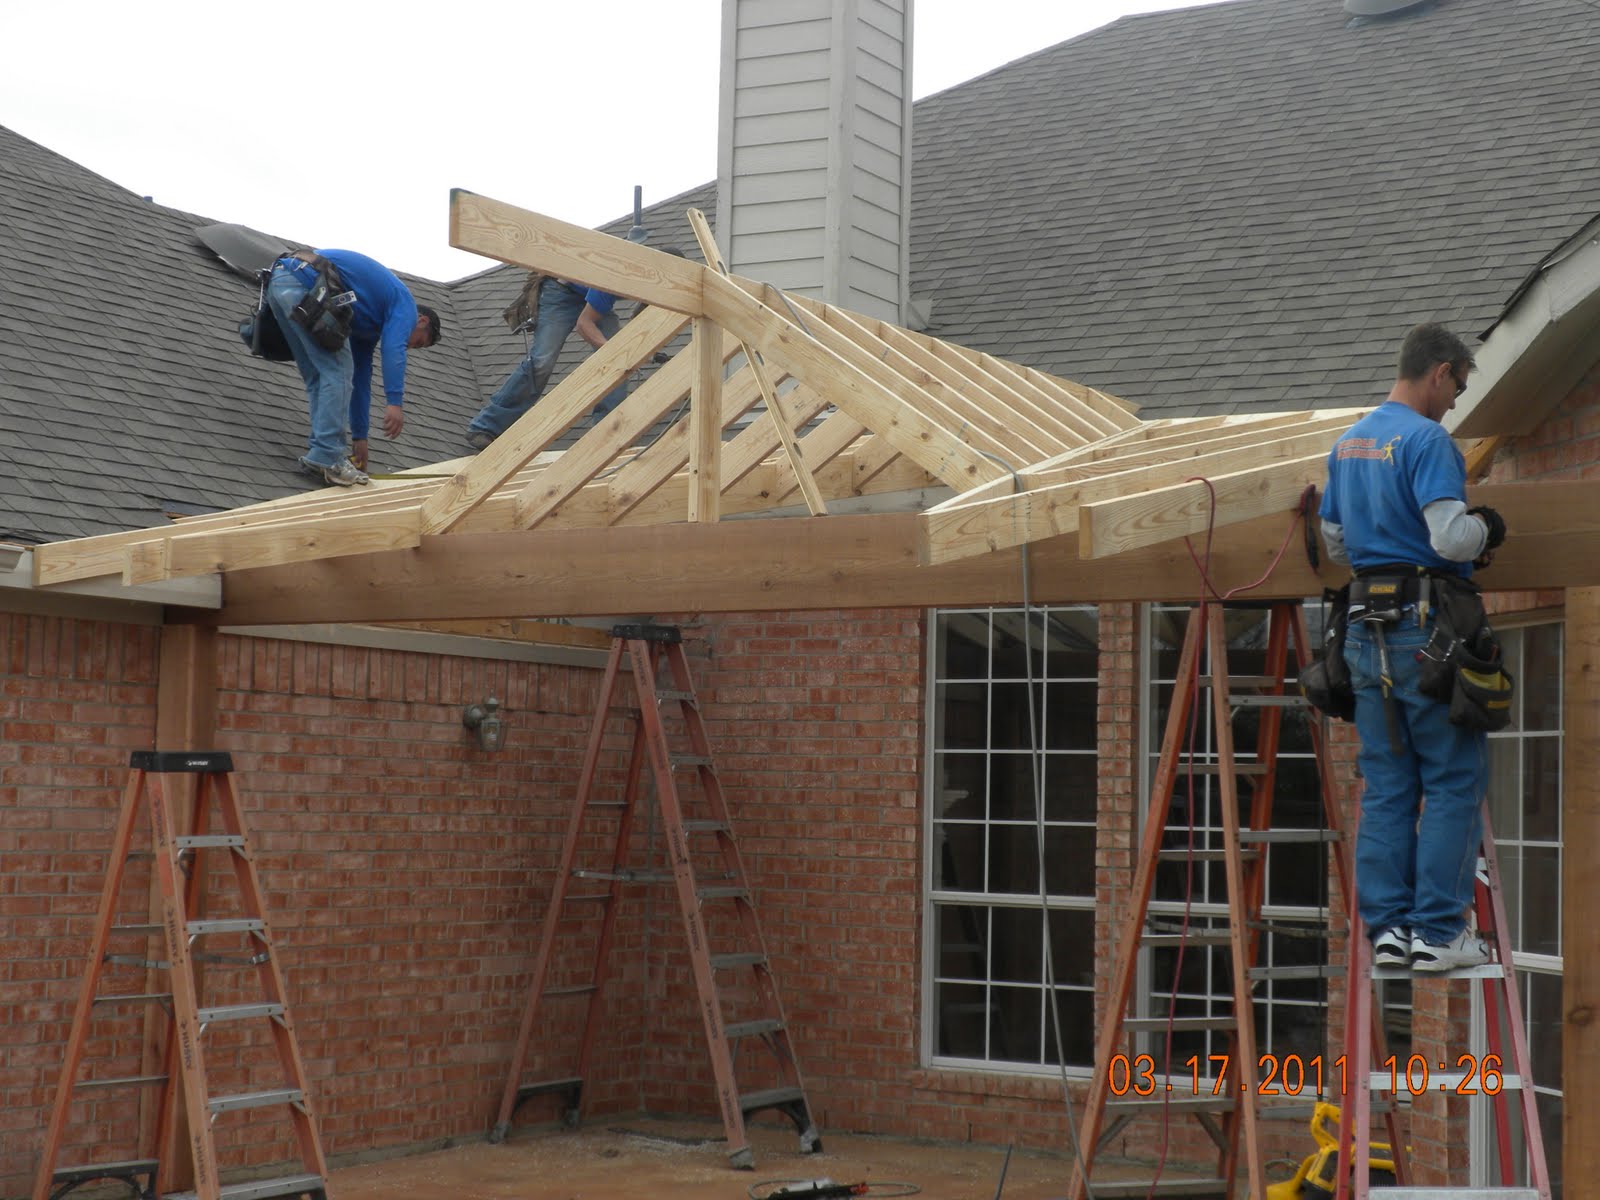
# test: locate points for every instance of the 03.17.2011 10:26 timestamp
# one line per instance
(1292, 1075)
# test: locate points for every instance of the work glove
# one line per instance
(1492, 521)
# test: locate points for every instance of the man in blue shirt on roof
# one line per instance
(1395, 510)
(339, 381)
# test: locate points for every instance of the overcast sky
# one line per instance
(347, 124)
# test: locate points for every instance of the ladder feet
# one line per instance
(742, 1159)
(497, 1135)
(811, 1140)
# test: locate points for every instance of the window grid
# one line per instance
(984, 961)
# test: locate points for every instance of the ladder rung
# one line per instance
(576, 989)
(226, 925)
(1447, 1082)
(121, 1081)
(674, 694)
(706, 826)
(588, 897)
(136, 960)
(690, 760)
(1259, 700)
(1240, 682)
(1315, 972)
(222, 1104)
(261, 1189)
(751, 958)
(1131, 1189)
(546, 1086)
(135, 998)
(608, 804)
(1291, 929)
(1178, 1024)
(1161, 941)
(1292, 836)
(1185, 855)
(1489, 970)
(724, 892)
(1178, 1100)
(210, 841)
(145, 930)
(626, 876)
(1215, 768)
(742, 1029)
(750, 1102)
(237, 1012)
(82, 1173)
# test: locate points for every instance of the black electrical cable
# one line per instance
(823, 1189)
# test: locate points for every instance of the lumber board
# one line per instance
(1580, 897)
(841, 561)
(1118, 412)
(852, 381)
(513, 629)
(1107, 527)
(513, 235)
(959, 527)
(608, 438)
(705, 423)
(186, 554)
(832, 436)
(758, 440)
(555, 412)
(1084, 424)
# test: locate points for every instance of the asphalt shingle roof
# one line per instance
(1229, 208)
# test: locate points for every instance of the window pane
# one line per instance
(1069, 860)
(959, 716)
(1016, 1033)
(962, 650)
(1540, 680)
(1541, 900)
(1012, 789)
(1069, 787)
(958, 856)
(1541, 789)
(1014, 859)
(1017, 953)
(962, 1020)
(1075, 1008)
(1072, 946)
(959, 786)
(963, 936)
(1009, 716)
(1070, 716)
(1010, 661)
(1073, 644)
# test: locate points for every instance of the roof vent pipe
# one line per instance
(1364, 11)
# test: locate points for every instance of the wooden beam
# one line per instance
(1580, 897)
(705, 423)
(499, 230)
(840, 562)
(958, 528)
(547, 420)
(854, 381)
(185, 554)
(1107, 527)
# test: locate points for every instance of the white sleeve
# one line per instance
(1333, 538)
(1453, 532)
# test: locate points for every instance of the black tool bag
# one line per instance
(523, 312)
(1462, 663)
(1326, 682)
(327, 308)
(260, 330)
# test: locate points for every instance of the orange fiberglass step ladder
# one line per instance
(1226, 1106)
(180, 862)
(738, 995)
(1480, 1073)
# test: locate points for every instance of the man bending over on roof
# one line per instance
(339, 381)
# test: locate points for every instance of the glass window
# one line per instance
(1002, 681)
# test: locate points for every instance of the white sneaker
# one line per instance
(1467, 949)
(343, 475)
(1392, 947)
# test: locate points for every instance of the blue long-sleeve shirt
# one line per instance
(385, 314)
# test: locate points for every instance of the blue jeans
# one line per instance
(328, 374)
(1415, 862)
(559, 308)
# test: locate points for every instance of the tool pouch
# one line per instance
(1462, 662)
(260, 330)
(1481, 694)
(1326, 683)
(523, 312)
(327, 308)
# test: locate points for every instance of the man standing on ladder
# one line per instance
(1395, 510)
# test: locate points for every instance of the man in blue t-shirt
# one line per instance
(1395, 509)
(339, 382)
(563, 307)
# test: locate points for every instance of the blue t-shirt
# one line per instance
(1382, 473)
(383, 312)
(601, 302)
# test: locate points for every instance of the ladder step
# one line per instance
(227, 925)
(674, 694)
(194, 762)
(706, 826)
(1238, 683)
(142, 930)
(1213, 768)
(723, 962)
(135, 998)
(690, 760)
(1327, 972)
(262, 1189)
(724, 892)
(1442, 1081)
(1130, 1189)
(1179, 1025)
(1292, 836)
(1469, 1193)
(1186, 855)
(547, 1086)
(1257, 700)
(84, 1172)
(626, 876)
(1179, 1099)
(210, 841)
(237, 1012)
(741, 1029)
(222, 1104)
(577, 989)
(588, 897)
(1161, 941)
(1490, 970)
(121, 1081)
(750, 1102)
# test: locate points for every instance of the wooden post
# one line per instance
(1580, 933)
(705, 423)
(186, 719)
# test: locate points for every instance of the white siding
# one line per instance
(814, 146)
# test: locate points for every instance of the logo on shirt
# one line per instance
(1367, 448)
